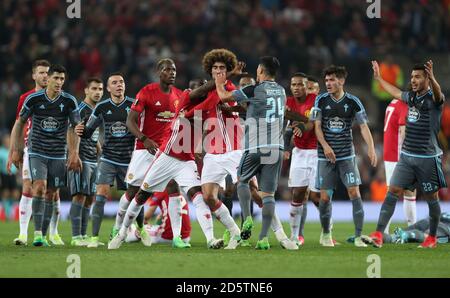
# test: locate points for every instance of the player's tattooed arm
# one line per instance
(327, 150)
(438, 97)
(132, 124)
(17, 142)
(391, 89)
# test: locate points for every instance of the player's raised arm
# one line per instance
(211, 84)
(438, 97)
(391, 89)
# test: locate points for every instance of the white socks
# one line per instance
(277, 228)
(295, 218)
(223, 215)
(123, 206)
(409, 208)
(24, 213)
(131, 214)
(204, 216)
(55, 217)
(175, 214)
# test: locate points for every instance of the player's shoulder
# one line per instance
(129, 100)
(29, 92)
(34, 95)
(69, 97)
(103, 104)
(321, 97)
(354, 98)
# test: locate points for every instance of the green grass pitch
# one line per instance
(161, 260)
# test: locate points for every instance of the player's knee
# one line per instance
(39, 189)
(299, 194)
(172, 187)
(103, 190)
(27, 186)
(314, 196)
(142, 197)
(326, 195)
(396, 190)
(132, 191)
(353, 192)
(78, 198)
(193, 191)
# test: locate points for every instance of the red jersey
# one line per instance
(156, 110)
(184, 137)
(223, 130)
(395, 117)
(161, 199)
(308, 139)
(27, 128)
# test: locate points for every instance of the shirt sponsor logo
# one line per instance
(336, 124)
(50, 124)
(118, 129)
(413, 114)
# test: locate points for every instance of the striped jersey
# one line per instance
(265, 114)
(337, 117)
(49, 123)
(118, 141)
(88, 146)
(423, 122)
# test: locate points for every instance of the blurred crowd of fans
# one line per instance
(132, 35)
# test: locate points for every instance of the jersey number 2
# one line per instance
(270, 114)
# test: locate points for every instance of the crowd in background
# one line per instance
(132, 35)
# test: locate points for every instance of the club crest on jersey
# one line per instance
(413, 114)
(50, 124)
(307, 113)
(118, 129)
(336, 124)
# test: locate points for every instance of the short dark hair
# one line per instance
(40, 62)
(57, 68)
(116, 73)
(270, 65)
(164, 61)
(419, 66)
(93, 79)
(300, 74)
(339, 71)
(312, 79)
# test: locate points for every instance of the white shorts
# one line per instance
(166, 168)
(216, 167)
(303, 168)
(141, 161)
(389, 167)
(26, 173)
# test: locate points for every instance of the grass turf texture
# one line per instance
(161, 260)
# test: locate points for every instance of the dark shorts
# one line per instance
(84, 182)
(424, 173)
(108, 172)
(51, 170)
(8, 182)
(265, 165)
(328, 173)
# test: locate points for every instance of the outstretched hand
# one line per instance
(429, 69)
(237, 69)
(376, 70)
